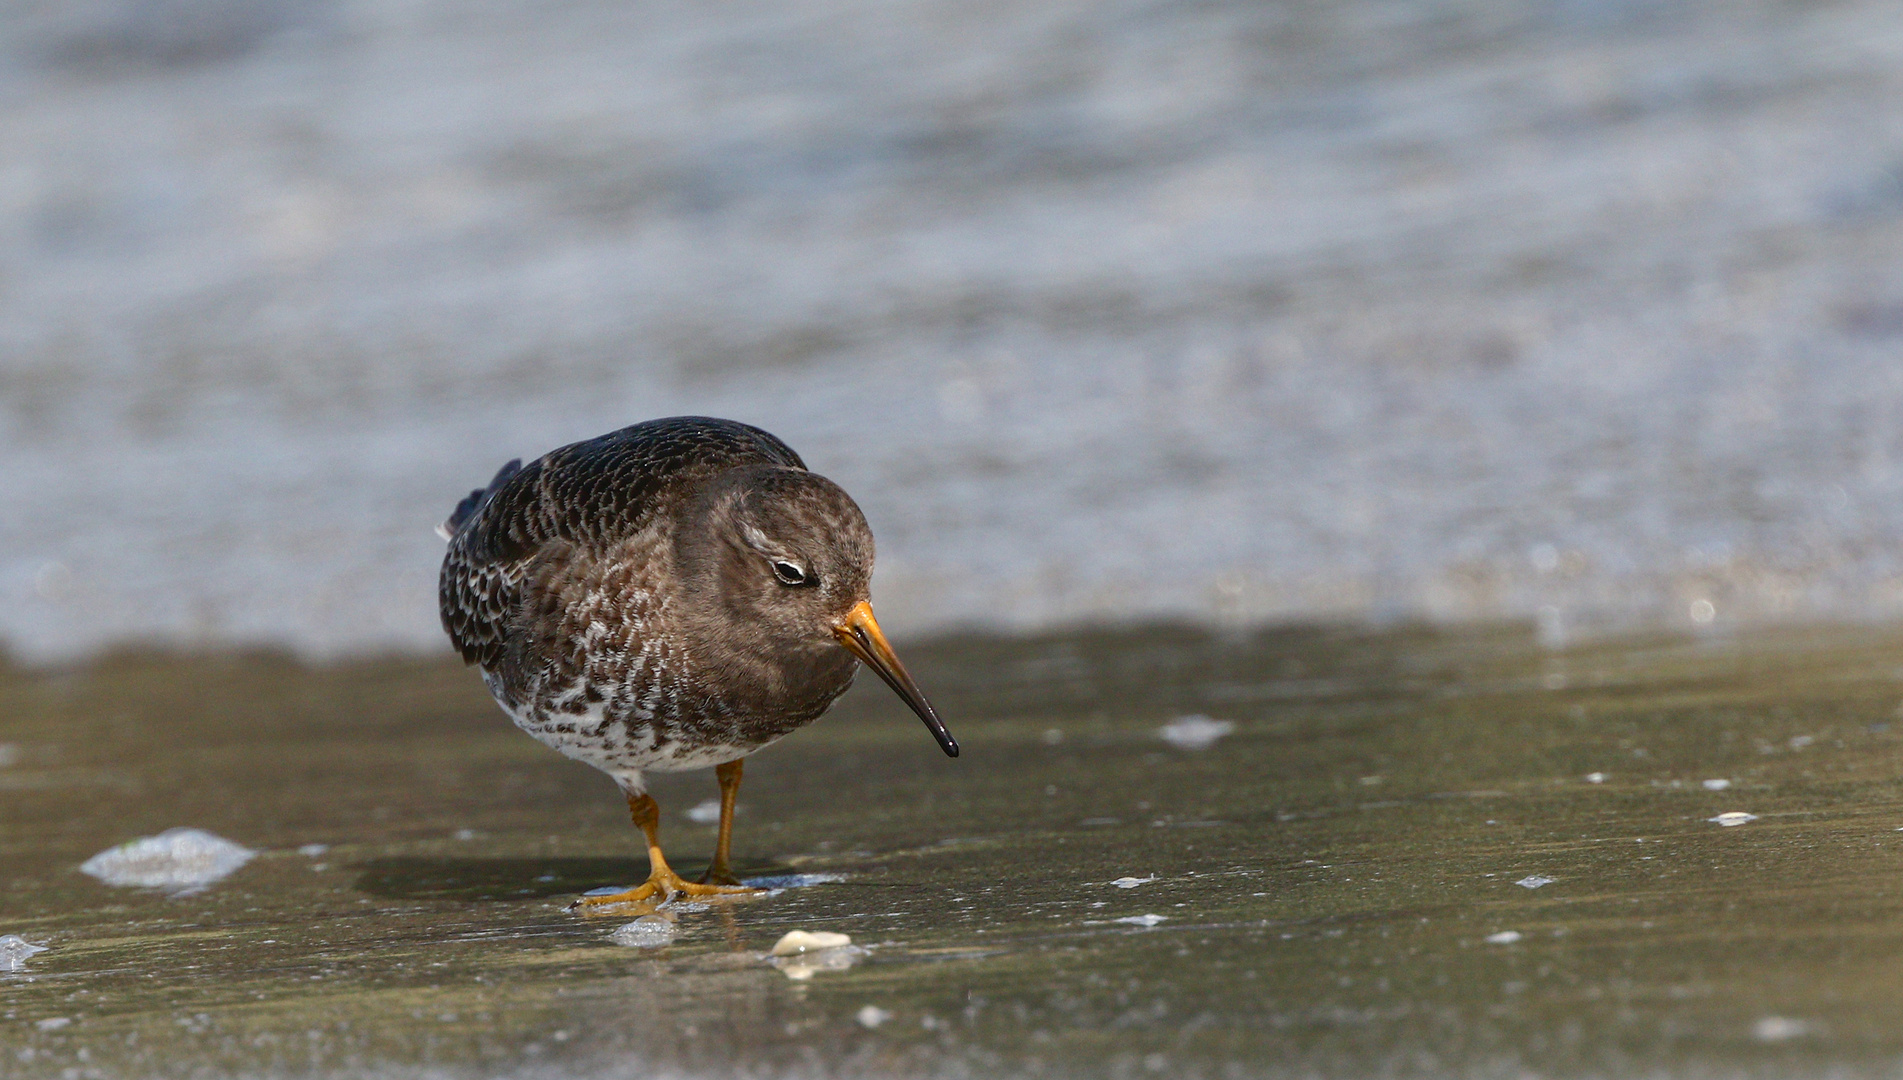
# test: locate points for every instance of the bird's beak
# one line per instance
(859, 633)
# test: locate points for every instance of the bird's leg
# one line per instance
(720, 872)
(662, 881)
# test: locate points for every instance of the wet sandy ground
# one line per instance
(1342, 882)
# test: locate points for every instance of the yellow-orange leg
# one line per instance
(662, 881)
(720, 872)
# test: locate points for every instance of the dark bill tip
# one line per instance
(860, 635)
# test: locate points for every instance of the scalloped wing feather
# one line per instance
(590, 494)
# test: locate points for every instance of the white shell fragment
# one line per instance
(805, 941)
(1132, 882)
(1504, 937)
(1534, 881)
(1595, 778)
(704, 813)
(872, 1016)
(1733, 817)
(15, 951)
(180, 861)
(801, 954)
(1195, 731)
(646, 932)
(1142, 920)
(1714, 785)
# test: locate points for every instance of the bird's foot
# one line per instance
(660, 887)
(721, 874)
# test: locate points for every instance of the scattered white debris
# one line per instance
(646, 932)
(872, 1016)
(1132, 882)
(180, 861)
(1714, 785)
(15, 951)
(1595, 778)
(1733, 817)
(704, 813)
(465, 835)
(1053, 736)
(1195, 731)
(1504, 937)
(53, 1023)
(1141, 920)
(1780, 1028)
(803, 941)
(9, 754)
(312, 851)
(1799, 742)
(1534, 881)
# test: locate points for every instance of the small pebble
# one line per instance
(1133, 882)
(872, 1016)
(1504, 937)
(1534, 881)
(1733, 817)
(1714, 785)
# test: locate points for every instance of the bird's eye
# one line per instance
(788, 573)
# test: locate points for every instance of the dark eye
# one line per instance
(788, 573)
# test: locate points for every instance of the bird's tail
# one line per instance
(468, 507)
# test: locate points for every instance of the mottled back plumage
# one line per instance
(590, 494)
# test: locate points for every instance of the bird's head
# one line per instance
(784, 556)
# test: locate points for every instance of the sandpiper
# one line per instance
(673, 595)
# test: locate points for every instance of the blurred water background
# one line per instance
(1583, 312)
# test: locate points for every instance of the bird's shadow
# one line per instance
(420, 878)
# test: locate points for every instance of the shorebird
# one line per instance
(673, 595)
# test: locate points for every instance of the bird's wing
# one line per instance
(589, 494)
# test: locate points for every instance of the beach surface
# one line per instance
(1311, 852)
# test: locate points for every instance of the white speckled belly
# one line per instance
(606, 743)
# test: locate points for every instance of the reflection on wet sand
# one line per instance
(1407, 852)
